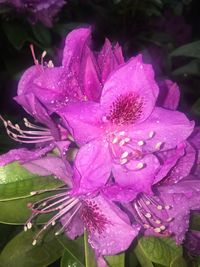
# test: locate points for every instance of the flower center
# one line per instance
(93, 218)
(126, 109)
(152, 214)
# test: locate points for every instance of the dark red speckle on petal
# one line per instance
(126, 109)
(93, 218)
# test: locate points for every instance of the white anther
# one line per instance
(56, 233)
(140, 143)
(158, 222)
(50, 64)
(147, 202)
(34, 242)
(115, 140)
(25, 228)
(140, 165)
(167, 207)
(151, 134)
(44, 54)
(29, 225)
(122, 142)
(159, 207)
(127, 139)
(121, 133)
(146, 226)
(169, 219)
(123, 161)
(33, 193)
(124, 154)
(157, 230)
(162, 227)
(148, 215)
(158, 145)
(53, 223)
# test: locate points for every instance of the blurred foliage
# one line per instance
(167, 33)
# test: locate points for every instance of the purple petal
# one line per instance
(24, 155)
(183, 166)
(107, 60)
(109, 228)
(118, 54)
(83, 119)
(74, 46)
(134, 83)
(92, 167)
(168, 159)
(169, 95)
(26, 81)
(31, 104)
(140, 179)
(163, 130)
(89, 76)
(50, 165)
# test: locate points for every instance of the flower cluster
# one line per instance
(43, 11)
(128, 158)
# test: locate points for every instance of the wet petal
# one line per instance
(137, 174)
(74, 46)
(168, 160)
(107, 60)
(88, 76)
(24, 155)
(83, 119)
(32, 105)
(50, 165)
(109, 228)
(92, 167)
(169, 95)
(163, 130)
(133, 84)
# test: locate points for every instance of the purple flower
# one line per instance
(80, 77)
(108, 227)
(38, 10)
(120, 133)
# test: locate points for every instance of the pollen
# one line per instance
(126, 109)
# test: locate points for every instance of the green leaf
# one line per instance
(42, 34)
(178, 261)
(195, 222)
(74, 250)
(16, 182)
(188, 50)
(20, 252)
(16, 34)
(68, 261)
(192, 68)
(89, 253)
(142, 256)
(116, 261)
(158, 250)
(17, 212)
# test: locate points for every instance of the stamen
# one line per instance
(140, 143)
(151, 134)
(38, 135)
(158, 145)
(140, 165)
(33, 54)
(124, 154)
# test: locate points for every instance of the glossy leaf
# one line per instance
(188, 50)
(116, 261)
(142, 256)
(74, 250)
(42, 34)
(68, 261)
(178, 261)
(20, 252)
(159, 250)
(16, 182)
